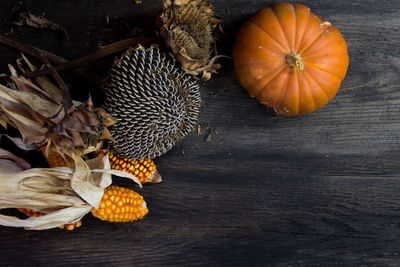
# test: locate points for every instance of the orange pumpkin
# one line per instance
(290, 59)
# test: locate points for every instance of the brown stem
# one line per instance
(27, 49)
(100, 53)
(93, 77)
(294, 60)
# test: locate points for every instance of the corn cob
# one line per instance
(32, 213)
(120, 205)
(145, 169)
(56, 160)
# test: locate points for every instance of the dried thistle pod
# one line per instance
(187, 27)
(154, 102)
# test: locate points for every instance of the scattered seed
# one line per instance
(208, 137)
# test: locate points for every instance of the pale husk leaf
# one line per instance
(47, 221)
(64, 194)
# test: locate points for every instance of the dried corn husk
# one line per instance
(64, 194)
(37, 111)
(187, 27)
(10, 163)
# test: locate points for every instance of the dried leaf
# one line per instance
(107, 119)
(82, 183)
(87, 117)
(77, 139)
(6, 155)
(39, 114)
(19, 142)
(3, 122)
(49, 220)
(38, 104)
(106, 135)
(101, 179)
(39, 22)
(24, 84)
(49, 87)
(16, 108)
(73, 122)
(30, 131)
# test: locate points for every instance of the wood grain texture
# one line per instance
(315, 190)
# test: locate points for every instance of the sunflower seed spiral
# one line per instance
(155, 103)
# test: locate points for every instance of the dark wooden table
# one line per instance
(315, 190)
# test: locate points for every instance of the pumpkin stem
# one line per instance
(294, 60)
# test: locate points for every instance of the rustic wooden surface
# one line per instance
(315, 190)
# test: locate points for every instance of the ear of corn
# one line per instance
(56, 160)
(32, 213)
(144, 169)
(120, 205)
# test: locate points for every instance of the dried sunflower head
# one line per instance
(154, 102)
(187, 27)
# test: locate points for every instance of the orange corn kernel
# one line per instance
(56, 160)
(145, 169)
(32, 213)
(120, 204)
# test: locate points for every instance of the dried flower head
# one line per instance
(36, 109)
(187, 27)
(154, 102)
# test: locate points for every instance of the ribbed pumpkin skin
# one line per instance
(260, 57)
